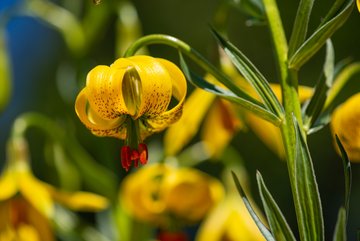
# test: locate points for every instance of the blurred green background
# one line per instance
(46, 77)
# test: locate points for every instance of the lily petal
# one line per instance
(8, 185)
(220, 126)
(104, 91)
(156, 123)
(79, 201)
(40, 223)
(94, 122)
(358, 4)
(35, 192)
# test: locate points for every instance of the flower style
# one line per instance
(345, 123)
(165, 195)
(27, 204)
(130, 100)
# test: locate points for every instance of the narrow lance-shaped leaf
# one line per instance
(263, 229)
(251, 105)
(300, 27)
(340, 227)
(278, 225)
(252, 75)
(316, 104)
(306, 196)
(347, 174)
(312, 45)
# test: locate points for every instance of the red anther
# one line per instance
(126, 157)
(134, 154)
(143, 153)
(129, 155)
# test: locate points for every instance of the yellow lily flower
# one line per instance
(129, 100)
(358, 4)
(345, 123)
(27, 204)
(160, 193)
(230, 220)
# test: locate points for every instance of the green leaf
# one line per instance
(263, 229)
(278, 225)
(347, 174)
(307, 197)
(319, 37)
(300, 27)
(5, 72)
(252, 75)
(62, 20)
(340, 228)
(249, 104)
(316, 104)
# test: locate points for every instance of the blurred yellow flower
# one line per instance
(217, 115)
(27, 204)
(162, 194)
(130, 100)
(267, 132)
(222, 120)
(358, 4)
(345, 123)
(229, 221)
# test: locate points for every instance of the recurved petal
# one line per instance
(79, 201)
(94, 122)
(8, 185)
(194, 111)
(345, 123)
(156, 83)
(104, 91)
(35, 192)
(156, 123)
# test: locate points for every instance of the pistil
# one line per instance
(134, 150)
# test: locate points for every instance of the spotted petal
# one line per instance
(98, 125)
(156, 123)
